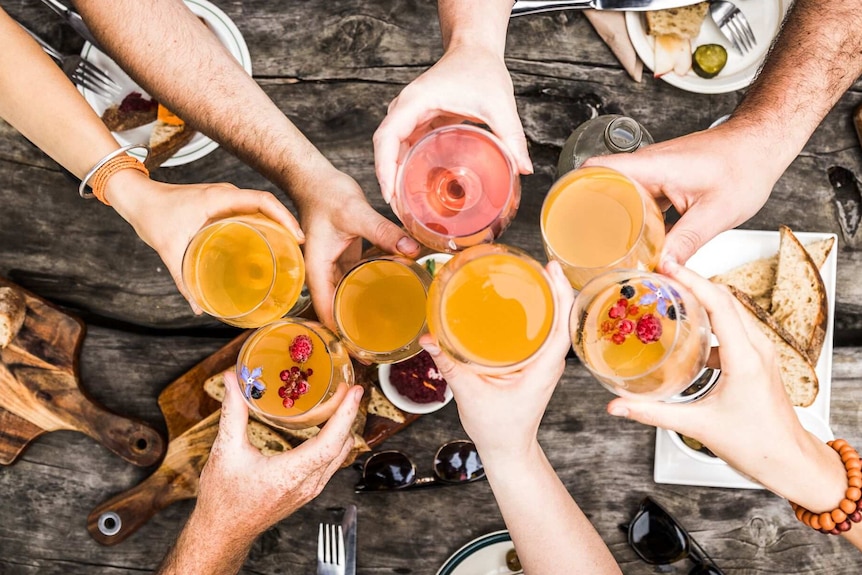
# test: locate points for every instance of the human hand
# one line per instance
(747, 419)
(467, 83)
(501, 414)
(335, 221)
(716, 179)
(167, 216)
(247, 492)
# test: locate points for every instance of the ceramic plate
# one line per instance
(675, 463)
(764, 16)
(485, 555)
(405, 403)
(227, 33)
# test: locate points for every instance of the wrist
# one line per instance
(125, 189)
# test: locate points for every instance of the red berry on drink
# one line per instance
(607, 326)
(287, 402)
(294, 370)
(301, 348)
(284, 375)
(617, 312)
(618, 338)
(648, 328)
(308, 373)
(282, 392)
(302, 387)
(626, 326)
(633, 310)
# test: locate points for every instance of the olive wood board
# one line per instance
(40, 390)
(192, 421)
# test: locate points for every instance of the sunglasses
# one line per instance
(454, 463)
(659, 539)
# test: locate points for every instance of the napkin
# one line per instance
(611, 26)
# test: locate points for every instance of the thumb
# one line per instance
(653, 413)
(385, 235)
(447, 367)
(234, 413)
(508, 128)
(697, 226)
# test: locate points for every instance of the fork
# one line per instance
(733, 24)
(79, 70)
(330, 549)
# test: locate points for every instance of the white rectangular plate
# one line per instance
(725, 252)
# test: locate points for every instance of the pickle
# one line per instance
(709, 60)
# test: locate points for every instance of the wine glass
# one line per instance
(379, 308)
(294, 373)
(457, 187)
(643, 335)
(244, 270)
(491, 307)
(596, 219)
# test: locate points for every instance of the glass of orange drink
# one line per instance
(457, 187)
(491, 307)
(596, 219)
(244, 270)
(379, 308)
(294, 373)
(641, 334)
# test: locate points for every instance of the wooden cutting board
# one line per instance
(192, 419)
(40, 391)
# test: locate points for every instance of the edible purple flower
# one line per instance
(252, 382)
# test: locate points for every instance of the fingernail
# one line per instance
(431, 349)
(669, 264)
(619, 411)
(407, 246)
(528, 165)
(357, 395)
(300, 235)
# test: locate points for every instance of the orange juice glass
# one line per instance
(245, 270)
(380, 308)
(642, 334)
(294, 373)
(595, 219)
(491, 307)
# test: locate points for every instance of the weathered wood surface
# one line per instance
(333, 67)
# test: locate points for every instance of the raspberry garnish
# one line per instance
(626, 326)
(648, 328)
(301, 348)
(287, 402)
(618, 310)
(618, 338)
(284, 375)
(633, 310)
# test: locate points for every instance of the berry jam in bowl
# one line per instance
(293, 373)
(414, 385)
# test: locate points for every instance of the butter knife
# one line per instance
(73, 19)
(524, 7)
(348, 524)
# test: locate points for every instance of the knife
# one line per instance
(73, 19)
(348, 524)
(524, 7)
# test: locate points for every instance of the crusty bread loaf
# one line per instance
(13, 310)
(797, 374)
(799, 297)
(165, 141)
(683, 22)
(379, 405)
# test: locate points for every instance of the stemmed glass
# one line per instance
(596, 219)
(457, 187)
(643, 335)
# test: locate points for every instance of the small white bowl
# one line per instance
(405, 403)
(439, 258)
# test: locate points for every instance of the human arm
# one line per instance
(41, 103)
(748, 420)
(469, 82)
(175, 58)
(719, 178)
(501, 414)
(242, 492)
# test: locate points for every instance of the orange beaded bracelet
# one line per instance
(108, 166)
(849, 511)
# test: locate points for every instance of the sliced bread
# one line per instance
(683, 22)
(799, 297)
(267, 441)
(379, 405)
(13, 310)
(165, 141)
(133, 112)
(797, 374)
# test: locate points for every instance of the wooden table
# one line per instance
(333, 67)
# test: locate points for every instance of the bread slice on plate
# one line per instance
(133, 112)
(165, 141)
(797, 373)
(684, 22)
(13, 310)
(799, 297)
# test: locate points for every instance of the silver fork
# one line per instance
(330, 549)
(733, 24)
(80, 71)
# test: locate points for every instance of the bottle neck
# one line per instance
(623, 135)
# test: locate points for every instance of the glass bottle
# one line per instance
(600, 136)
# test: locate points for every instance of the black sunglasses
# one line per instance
(455, 462)
(659, 539)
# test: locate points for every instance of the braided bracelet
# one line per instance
(107, 166)
(849, 511)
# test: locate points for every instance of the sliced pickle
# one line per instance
(696, 445)
(709, 60)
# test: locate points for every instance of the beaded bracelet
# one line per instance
(106, 167)
(849, 511)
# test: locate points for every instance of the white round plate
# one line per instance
(199, 146)
(404, 403)
(485, 555)
(764, 17)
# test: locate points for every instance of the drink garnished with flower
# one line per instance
(293, 372)
(640, 334)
